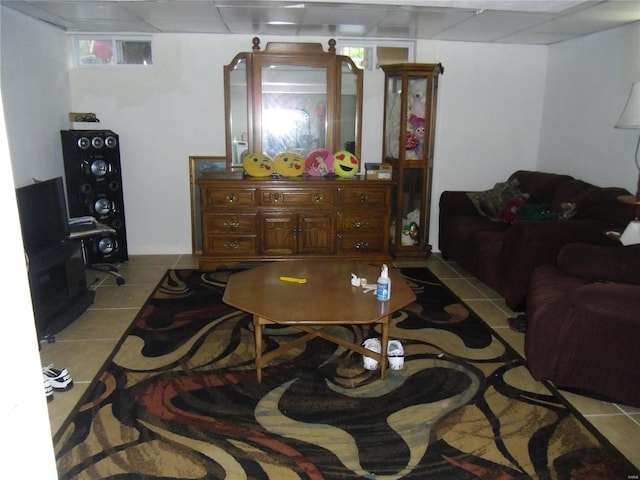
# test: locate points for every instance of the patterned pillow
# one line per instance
(491, 203)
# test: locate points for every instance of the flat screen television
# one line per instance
(43, 214)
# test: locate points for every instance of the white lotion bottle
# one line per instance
(383, 290)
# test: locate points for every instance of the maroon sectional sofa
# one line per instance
(583, 321)
(503, 248)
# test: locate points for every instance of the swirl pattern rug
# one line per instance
(179, 400)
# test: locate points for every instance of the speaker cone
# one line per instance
(103, 206)
(97, 142)
(84, 143)
(106, 245)
(99, 168)
(111, 142)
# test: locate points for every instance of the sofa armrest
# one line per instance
(453, 203)
(530, 244)
(601, 263)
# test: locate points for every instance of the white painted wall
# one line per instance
(36, 95)
(587, 86)
(27, 448)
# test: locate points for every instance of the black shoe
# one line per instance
(519, 323)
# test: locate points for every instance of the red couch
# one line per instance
(583, 324)
(502, 249)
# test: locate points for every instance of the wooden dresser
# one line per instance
(252, 219)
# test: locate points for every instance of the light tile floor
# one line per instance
(85, 345)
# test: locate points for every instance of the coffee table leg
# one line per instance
(385, 343)
(257, 329)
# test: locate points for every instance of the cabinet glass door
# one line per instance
(408, 212)
(417, 118)
(393, 124)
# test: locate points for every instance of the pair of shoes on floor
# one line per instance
(519, 323)
(395, 353)
(55, 380)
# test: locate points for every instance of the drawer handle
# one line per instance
(232, 198)
(276, 197)
(361, 223)
(364, 198)
(231, 224)
(232, 245)
(318, 197)
(361, 245)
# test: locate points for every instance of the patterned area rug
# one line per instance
(179, 400)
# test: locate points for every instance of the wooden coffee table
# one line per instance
(325, 300)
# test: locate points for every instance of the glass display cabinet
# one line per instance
(408, 144)
(291, 97)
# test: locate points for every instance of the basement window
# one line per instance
(372, 55)
(97, 50)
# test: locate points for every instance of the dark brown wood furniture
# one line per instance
(250, 219)
(325, 300)
(291, 97)
(411, 92)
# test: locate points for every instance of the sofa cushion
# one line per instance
(602, 204)
(539, 186)
(491, 203)
(566, 192)
(601, 263)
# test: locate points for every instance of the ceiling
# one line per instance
(541, 22)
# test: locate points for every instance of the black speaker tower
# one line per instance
(94, 188)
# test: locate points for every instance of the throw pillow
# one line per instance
(491, 203)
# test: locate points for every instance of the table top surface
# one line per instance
(327, 297)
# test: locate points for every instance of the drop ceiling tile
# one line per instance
(600, 17)
(113, 26)
(535, 38)
(488, 26)
(183, 11)
(344, 15)
(429, 24)
(86, 10)
(261, 29)
(260, 14)
(35, 12)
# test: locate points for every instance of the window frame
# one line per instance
(116, 41)
(372, 46)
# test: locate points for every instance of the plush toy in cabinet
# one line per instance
(417, 97)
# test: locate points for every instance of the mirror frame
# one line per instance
(296, 55)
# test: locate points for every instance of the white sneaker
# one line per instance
(395, 352)
(48, 389)
(374, 345)
(60, 380)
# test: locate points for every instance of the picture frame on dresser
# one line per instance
(197, 165)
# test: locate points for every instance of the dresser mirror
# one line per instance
(291, 97)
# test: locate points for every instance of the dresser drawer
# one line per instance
(227, 197)
(364, 196)
(367, 222)
(361, 243)
(230, 223)
(231, 245)
(297, 196)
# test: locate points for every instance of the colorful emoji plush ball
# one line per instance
(345, 164)
(257, 165)
(289, 164)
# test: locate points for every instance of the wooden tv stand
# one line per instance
(255, 219)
